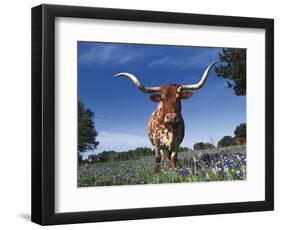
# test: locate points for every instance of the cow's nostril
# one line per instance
(171, 117)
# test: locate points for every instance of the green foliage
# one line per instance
(234, 69)
(240, 130)
(86, 130)
(106, 156)
(226, 141)
(202, 146)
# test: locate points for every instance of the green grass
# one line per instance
(226, 164)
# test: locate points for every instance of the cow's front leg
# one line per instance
(157, 160)
(174, 160)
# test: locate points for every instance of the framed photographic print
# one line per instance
(141, 114)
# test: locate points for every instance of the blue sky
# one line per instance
(122, 111)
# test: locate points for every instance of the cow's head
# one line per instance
(169, 96)
(169, 99)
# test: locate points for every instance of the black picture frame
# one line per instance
(43, 114)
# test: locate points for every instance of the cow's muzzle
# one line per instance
(171, 118)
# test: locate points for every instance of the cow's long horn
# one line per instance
(203, 78)
(138, 83)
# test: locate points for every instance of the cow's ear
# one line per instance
(155, 97)
(186, 94)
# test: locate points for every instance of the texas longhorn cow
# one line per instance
(166, 125)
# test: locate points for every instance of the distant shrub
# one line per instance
(106, 156)
(209, 146)
(202, 146)
(240, 140)
(184, 149)
(198, 146)
(226, 141)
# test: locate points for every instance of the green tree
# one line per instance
(233, 67)
(226, 141)
(86, 130)
(240, 130)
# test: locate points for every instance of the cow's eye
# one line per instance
(163, 97)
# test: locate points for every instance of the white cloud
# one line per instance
(118, 141)
(159, 61)
(186, 60)
(112, 54)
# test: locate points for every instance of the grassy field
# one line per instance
(218, 164)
